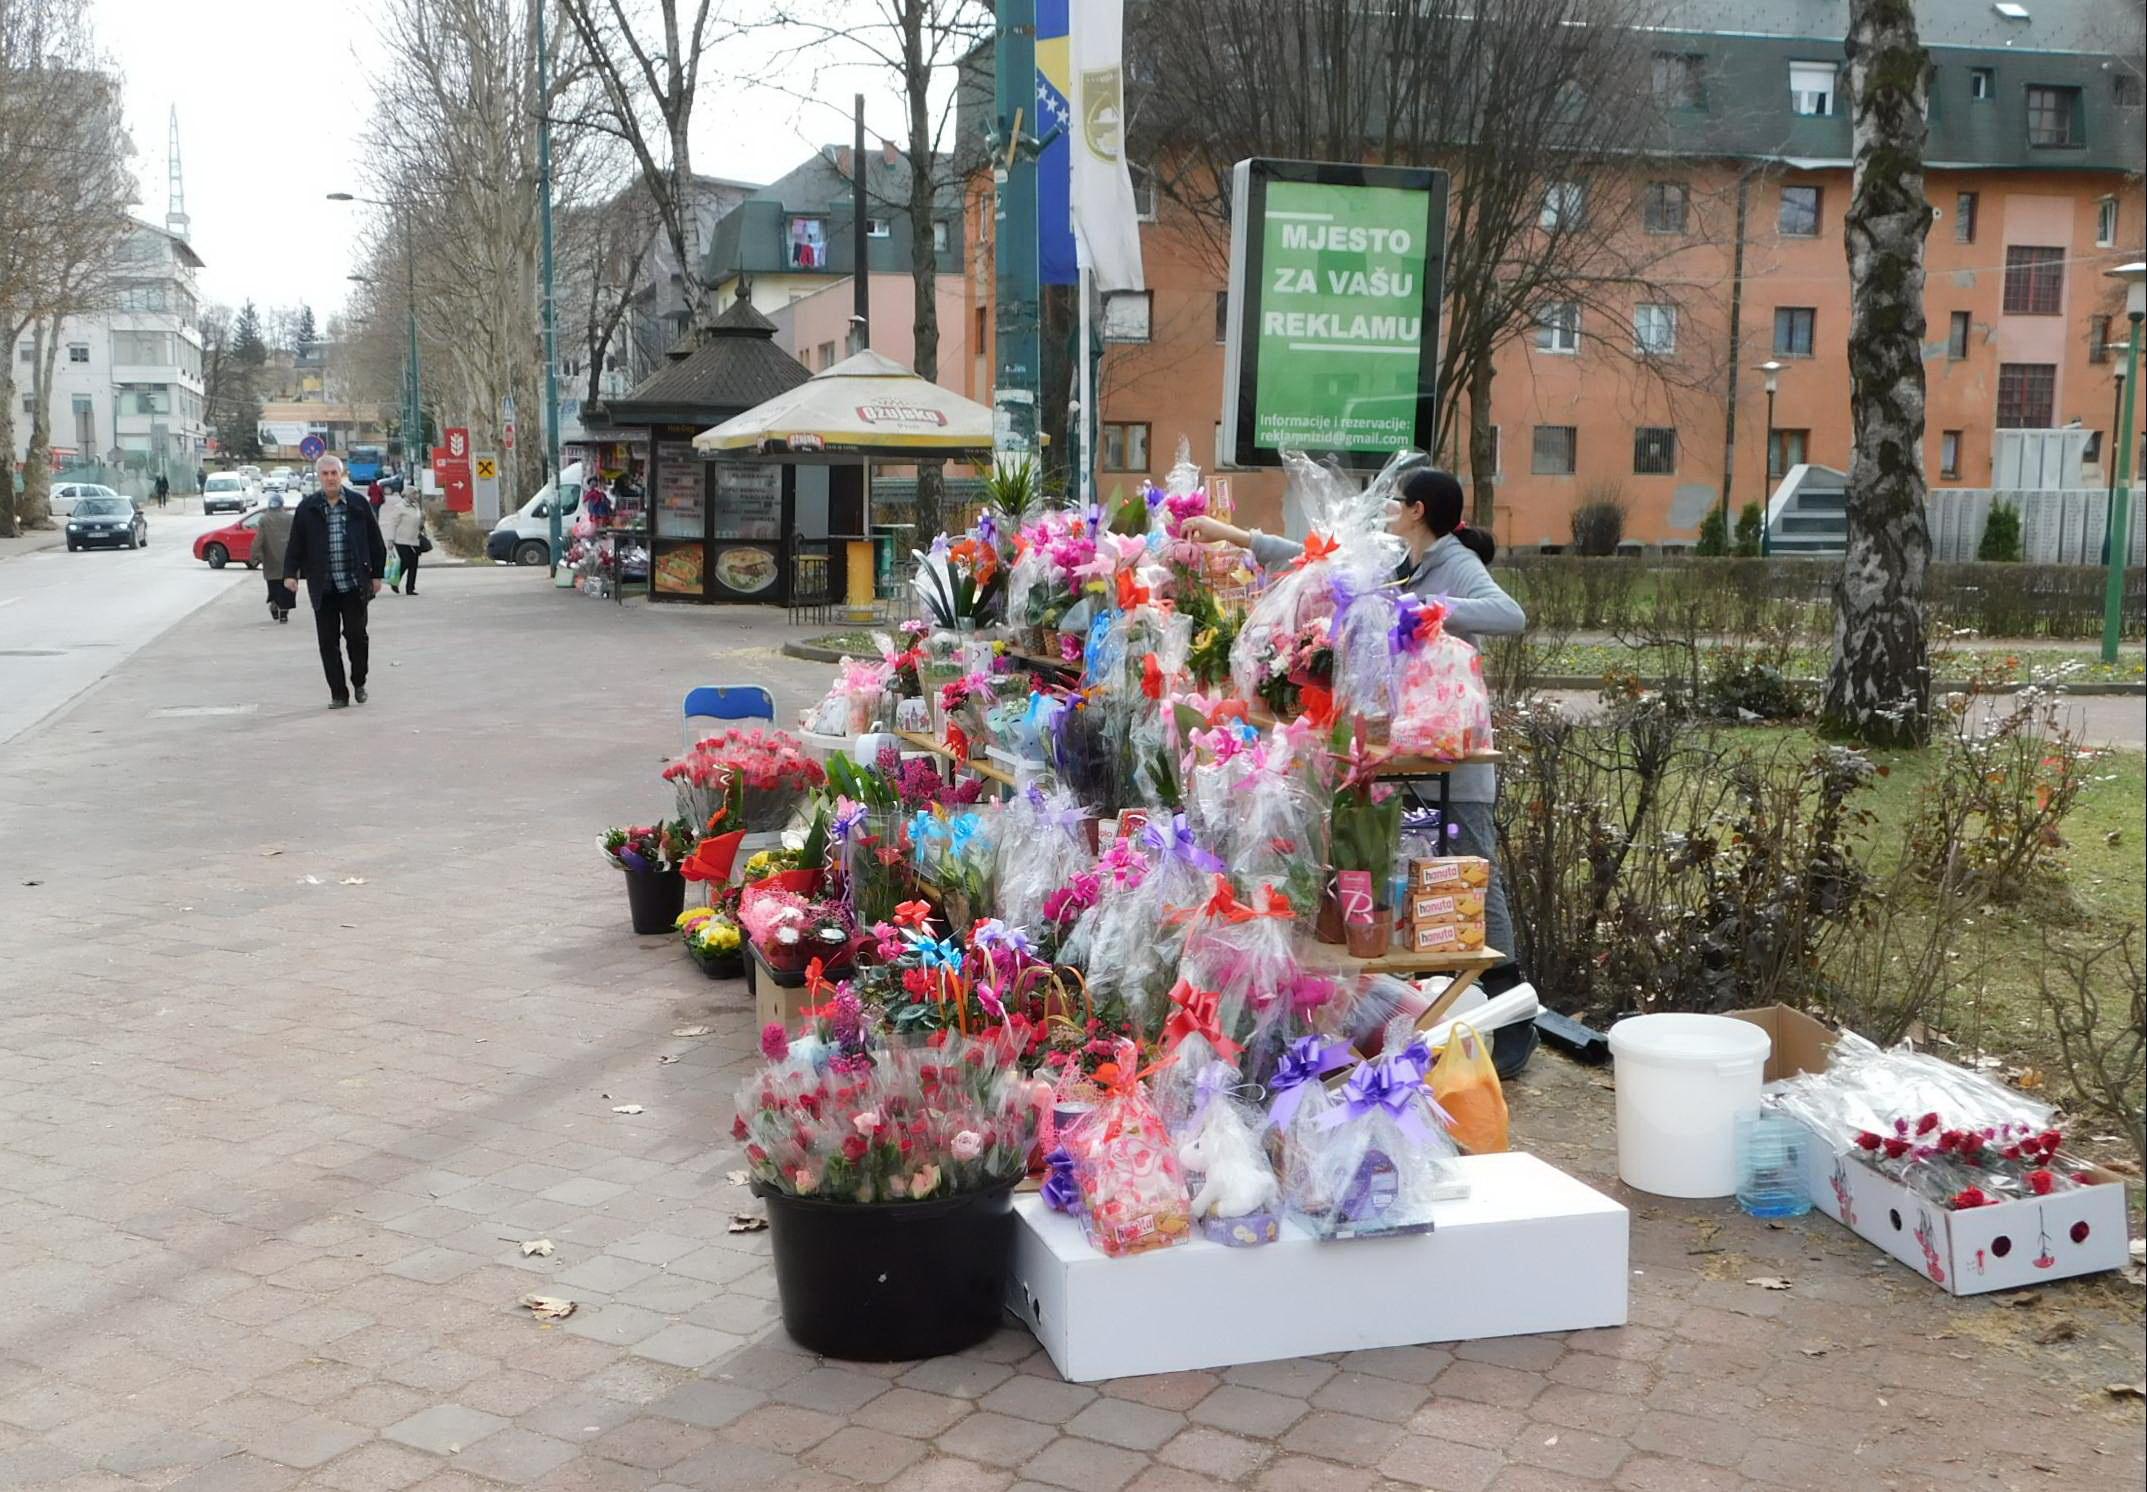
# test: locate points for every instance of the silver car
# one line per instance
(66, 494)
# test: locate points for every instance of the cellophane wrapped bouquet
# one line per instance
(1285, 654)
(1132, 947)
(1243, 953)
(1133, 1196)
(650, 847)
(1042, 845)
(771, 768)
(1442, 706)
(1376, 1158)
(954, 849)
(1235, 1195)
(844, 1116)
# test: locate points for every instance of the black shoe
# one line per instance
(338, 702)
(283, 614)
(359, 693)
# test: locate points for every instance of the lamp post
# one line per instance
(413, 420)
(550, 304)
(2134, 276)
(2109, 456)
(1773, 371)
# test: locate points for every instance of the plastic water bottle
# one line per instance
(1770, 1165)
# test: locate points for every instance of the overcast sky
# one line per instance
(272, 97)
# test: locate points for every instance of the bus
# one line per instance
(365, 464)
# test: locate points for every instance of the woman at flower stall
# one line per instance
(1447, 562)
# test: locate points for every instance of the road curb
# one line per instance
(808, 653)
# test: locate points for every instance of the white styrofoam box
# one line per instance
(2000, 1247)
(1540, 1252)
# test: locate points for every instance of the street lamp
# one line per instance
(413, 394)
(1773, 370)
(2109, 458)
(2134, 276)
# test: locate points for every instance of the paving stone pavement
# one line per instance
(307, 1021)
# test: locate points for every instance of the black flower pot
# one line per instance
(721, 965)
(891, 1281)
(654, 898)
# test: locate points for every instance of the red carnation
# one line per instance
(2049, 1139)
(1868, 1140)
(1969, 1196)
(1926, 1124)
(738, 1129)
(2042, 1182)
(1896, 1148)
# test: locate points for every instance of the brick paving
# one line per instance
(310, 1020)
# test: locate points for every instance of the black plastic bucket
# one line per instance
(655, 898)
(891, 1281)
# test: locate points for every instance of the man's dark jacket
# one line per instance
(307, 552)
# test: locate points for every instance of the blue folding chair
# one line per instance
(718, 704)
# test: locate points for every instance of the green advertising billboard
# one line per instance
(1335, 281)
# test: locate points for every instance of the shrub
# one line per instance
(1743, 688)
(1599, 522)
(458, 533)
(2001, 536)
(1750, 520)
(2096, 999)
(1714, 535)
(2002, 782)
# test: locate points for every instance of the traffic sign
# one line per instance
(312, 448)
(507, 435)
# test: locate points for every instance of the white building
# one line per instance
(126, 384)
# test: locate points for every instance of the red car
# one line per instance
(234, 541)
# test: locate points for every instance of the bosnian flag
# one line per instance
(1107, 230)
(1054, 167)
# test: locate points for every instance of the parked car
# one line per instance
(275, 481)
(524, 536)
(228, 492)
(112, 520)
(66, 494)
(233, 542)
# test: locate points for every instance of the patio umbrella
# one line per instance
(866, 406)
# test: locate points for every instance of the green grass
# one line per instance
(2076, 665)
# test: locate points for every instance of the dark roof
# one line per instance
(736, 367)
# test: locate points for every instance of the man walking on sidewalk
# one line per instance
(270, 539)
(335, 543)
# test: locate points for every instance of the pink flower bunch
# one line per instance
(762, 759)
(1063, 907)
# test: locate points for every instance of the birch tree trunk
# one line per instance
(1879, 688)
(36, 499)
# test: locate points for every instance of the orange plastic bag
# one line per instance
(1465, 1083)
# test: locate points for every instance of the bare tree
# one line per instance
(648, 72)
(1879, 688)
(64, 192)
(602, 257)
(919, 42)
(1538, 110)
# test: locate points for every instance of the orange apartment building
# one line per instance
(2036, 137)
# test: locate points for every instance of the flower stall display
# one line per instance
(1132, 1190)
(1235, 1195)
(1374, 1161)
(752, 779)
(713, 941)
(887, 1170)
(650, 856)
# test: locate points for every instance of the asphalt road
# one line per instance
(67, 620)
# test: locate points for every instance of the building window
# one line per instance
(1565, 206)
(2106, 223)
(877, 228)
(2098, 339)
(1811, 87)
(808, 243)
(942, 235)
(1982, 82)
(1964, 218)
(1957, 336)
(2027, 394)
(1127, 316)
(78, 352)
(1557, 448)
(29, 404)
(1222, 315)
(2034, 280)
(1654, 451)
(1125, 447)
(1793, 326)
(983, 336)
(1144, 193)
(1949, 453)
(1679, 83)
(1558, 328)
(1663, 210)
(826, 356)
(1787, 448)
(2054, 117)
(1655, 330)
(2125, 89)
(1800, 212)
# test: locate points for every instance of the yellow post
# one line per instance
(860, 588)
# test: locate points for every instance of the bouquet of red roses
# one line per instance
(767, 769)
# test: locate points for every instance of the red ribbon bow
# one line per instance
(1152, 677)
(1198, 1013)
(1130, 592)
(913, 914)
(1317, 547)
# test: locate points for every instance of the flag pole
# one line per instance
(1086, 408)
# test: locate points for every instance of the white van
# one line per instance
(523, 537)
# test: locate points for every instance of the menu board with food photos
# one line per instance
(681, 491)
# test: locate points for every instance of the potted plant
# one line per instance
(1366, 832)
(649, 855)
(888, 1171)
(713, 941)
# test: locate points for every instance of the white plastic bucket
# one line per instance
(1682, 1082)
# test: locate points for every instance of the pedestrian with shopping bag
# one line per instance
(402, 520)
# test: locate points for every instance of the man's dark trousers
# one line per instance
(342, 614)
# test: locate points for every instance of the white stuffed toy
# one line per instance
(1236, 1180)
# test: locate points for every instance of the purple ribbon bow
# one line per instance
(1061, 815)
(1305, 1060)
(1177, 842)
(1394, 1083)
(1060, 1192)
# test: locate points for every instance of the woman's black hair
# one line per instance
(1439, 495)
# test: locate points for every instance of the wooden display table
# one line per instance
(983, 769)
